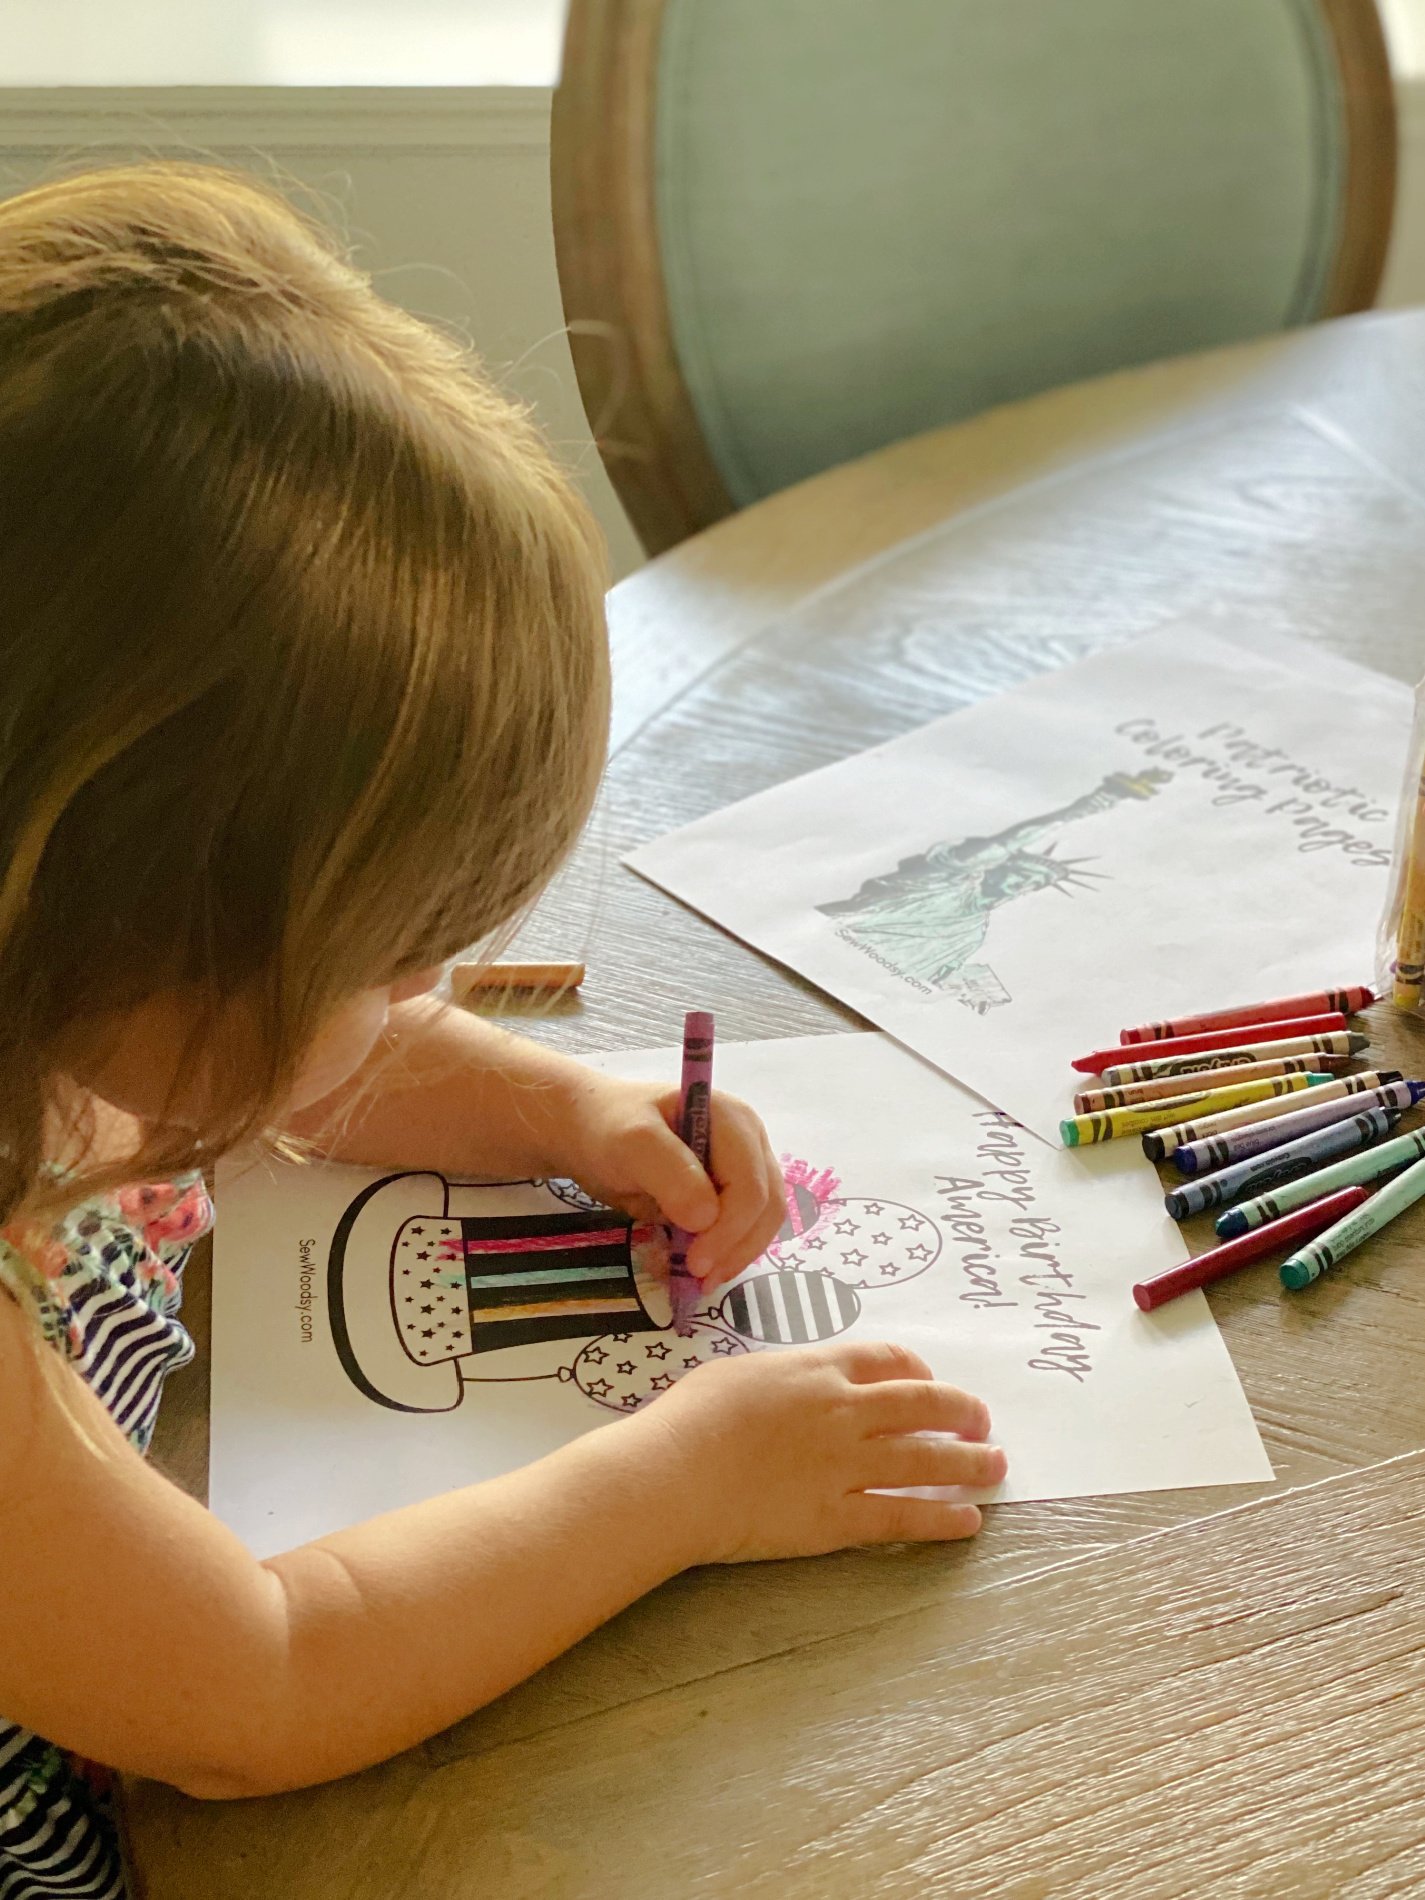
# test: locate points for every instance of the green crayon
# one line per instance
(1354, 1171)
(1332, 1247)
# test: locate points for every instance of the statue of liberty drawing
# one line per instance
(927, 919)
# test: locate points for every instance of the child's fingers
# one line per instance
(925, 1405)
(669, 1171)
(890, 1463)
(869, 1361)
(872, 1519)
(739, 1251)
(750, 1207)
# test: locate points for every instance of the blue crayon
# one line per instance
(1280, 1164)
(1354, 1171)
(1255, 1138)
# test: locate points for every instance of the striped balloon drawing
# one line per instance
(790, 1309)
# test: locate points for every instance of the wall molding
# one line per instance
(328, 120)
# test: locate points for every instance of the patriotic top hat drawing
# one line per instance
(433, 1284)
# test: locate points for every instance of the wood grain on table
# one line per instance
(1281, 484)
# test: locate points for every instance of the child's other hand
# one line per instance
(786, 1454)
(625, 1151)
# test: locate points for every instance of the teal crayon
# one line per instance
(1280, 1164)
(1331, 1248)
(1219, 1151)
(1356, 1170)
(1342, 1042)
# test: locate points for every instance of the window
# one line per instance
(281, 42)
(1404, 22)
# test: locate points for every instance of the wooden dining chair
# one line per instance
(791, 231)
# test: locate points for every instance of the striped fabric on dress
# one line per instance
(111, 1289)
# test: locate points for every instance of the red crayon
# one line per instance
(1346, 1001)
(1243, 1038)
(1220, 1261)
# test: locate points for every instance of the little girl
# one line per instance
(303, 687)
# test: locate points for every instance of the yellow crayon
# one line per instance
(1113, 1123)
(1160, 1145)
(1157, 1088)
(1410, 932)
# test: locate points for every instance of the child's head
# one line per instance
(303, 678)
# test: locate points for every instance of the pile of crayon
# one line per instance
(1254, 1108)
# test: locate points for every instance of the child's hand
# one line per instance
(784, 1453)
(623, 1148)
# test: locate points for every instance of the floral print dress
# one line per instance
(112, 1272)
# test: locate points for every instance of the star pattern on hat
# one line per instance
(445, 1309)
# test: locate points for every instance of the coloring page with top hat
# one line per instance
(378, 1337)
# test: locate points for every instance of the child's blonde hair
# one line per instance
(303, 675)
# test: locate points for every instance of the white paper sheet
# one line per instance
(915, 1214)
(1185, 823)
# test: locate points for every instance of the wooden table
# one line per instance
(870, 1722)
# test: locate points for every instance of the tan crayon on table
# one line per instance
(475, 978)
(1157, 1088)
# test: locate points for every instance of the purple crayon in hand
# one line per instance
(694, 1126)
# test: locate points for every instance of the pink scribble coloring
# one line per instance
(809, 1192)
(165, 1214)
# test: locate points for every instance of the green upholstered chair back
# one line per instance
(864, 218)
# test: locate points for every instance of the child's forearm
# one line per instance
(332, 1656)
(445, 1090)
(404, 1624)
